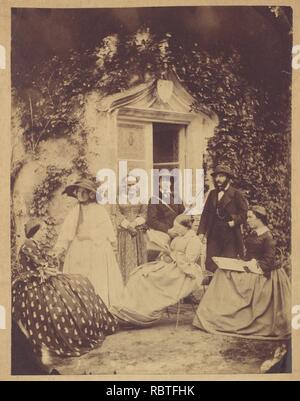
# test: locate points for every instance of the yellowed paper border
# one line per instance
(5, 98)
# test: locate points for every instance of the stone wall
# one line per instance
(100, 151)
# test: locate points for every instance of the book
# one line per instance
(238, 265)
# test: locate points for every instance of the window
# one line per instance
(166, 146)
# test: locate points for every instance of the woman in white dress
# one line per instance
(86, 243)
(155, 286)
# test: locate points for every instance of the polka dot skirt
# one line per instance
(62, 313)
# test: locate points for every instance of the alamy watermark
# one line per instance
(178, 186)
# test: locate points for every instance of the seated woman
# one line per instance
(57, 312)
(255, 306)
(154, 286)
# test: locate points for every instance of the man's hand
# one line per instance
(231, 224)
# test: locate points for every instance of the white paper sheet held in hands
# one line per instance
(238, 265)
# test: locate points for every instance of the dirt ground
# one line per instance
(167, 350)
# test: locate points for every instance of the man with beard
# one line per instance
(222, 218)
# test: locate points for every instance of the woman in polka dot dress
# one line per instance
(59, 312)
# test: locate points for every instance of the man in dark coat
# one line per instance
(163, 210)
(222, 218)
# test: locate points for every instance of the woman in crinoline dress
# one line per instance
(250, 305)
(86, 243)
(155, 286)
(131, 225)
(58, 312)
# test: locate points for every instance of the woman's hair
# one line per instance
(92, 195)
(263, 218)
(31, 228)
(187, 222)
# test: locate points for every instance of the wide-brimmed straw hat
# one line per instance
(70, 190)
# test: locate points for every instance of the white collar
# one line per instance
(262, 230)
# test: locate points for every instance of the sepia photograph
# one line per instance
(151, 191)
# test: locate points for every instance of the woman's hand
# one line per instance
(172, 233)
(114, 245)
(190, 275)
(167, 259)
(139, 221)
(132, 231)
(202, 238)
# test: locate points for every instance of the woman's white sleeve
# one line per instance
(108, 227)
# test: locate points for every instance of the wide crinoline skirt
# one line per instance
(247, 305)
(62, 313)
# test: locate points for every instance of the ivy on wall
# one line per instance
(42, 197)
(43, 193)
(254, 131)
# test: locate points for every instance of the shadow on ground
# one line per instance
(167, 350)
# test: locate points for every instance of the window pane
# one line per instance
(165, 143)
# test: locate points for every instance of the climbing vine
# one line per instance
(254, 131)
(42, 196)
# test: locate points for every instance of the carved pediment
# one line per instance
(164, 95)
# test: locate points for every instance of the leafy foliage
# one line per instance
(44, 192)
(254, 131)
(42, 196)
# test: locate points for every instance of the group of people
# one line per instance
(127, 268)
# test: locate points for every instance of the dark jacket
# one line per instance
(263, 249)
(233, 206)
(161, 217)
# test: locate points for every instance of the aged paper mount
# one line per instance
(5, 160)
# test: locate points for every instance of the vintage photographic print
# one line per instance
(151, 190)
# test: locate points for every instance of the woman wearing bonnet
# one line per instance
(130, 219)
